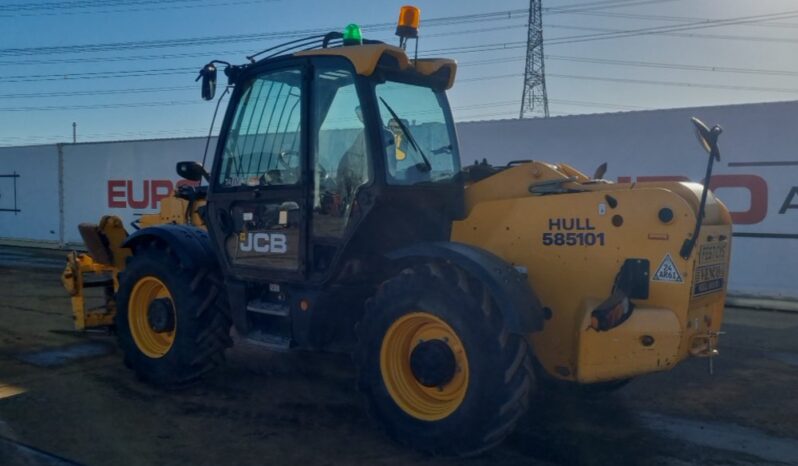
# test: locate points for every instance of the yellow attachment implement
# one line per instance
(106, 258)
(99, 268)
(78, 267)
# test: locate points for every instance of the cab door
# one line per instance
(257, 204)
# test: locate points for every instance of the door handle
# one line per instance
(289, 205)
(225, 221)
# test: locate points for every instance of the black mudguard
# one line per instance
(192, 245)
(522, 311)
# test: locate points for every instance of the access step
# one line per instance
(270, 341)
(264, 307)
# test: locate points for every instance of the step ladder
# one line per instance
(270, 325)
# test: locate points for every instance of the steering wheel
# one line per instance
(285, 158)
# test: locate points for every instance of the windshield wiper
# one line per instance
(408, 134)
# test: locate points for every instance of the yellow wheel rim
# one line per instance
(414, 398)
(153, 344)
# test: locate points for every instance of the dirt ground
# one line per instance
(301, 408)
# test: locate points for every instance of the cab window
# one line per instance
(420, 138)
(262, 148)
(341, 161)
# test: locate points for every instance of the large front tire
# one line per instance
(438, 367)
(171, 321)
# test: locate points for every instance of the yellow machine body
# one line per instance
(573, 270)
(174, 210)
(570, 240)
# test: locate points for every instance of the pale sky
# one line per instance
(137, 90)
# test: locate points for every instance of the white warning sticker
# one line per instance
(667, 271)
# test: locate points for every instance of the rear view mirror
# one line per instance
(208, 76)
(191, 171)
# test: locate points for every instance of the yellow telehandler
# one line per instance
(336, 216)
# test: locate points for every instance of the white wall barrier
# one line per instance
(756, 177)
(121, 178)
(29, 200)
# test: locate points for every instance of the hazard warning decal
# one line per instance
(667, 271)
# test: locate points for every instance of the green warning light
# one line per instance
(352, 35)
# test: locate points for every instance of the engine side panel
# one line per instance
(573, 246)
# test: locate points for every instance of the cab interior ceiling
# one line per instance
(333, 81)
(290, 78)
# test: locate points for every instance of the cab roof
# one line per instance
(366, 57)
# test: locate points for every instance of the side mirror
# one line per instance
(600, 171)
(208, 76)
(708, 137)
(191, 171)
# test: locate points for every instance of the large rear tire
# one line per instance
(438, 367)
(171, 321)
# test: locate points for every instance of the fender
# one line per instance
(191, 244)
(520, 307)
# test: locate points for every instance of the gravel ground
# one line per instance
(301, 408)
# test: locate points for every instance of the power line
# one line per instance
(598, 5)
(96, 75)
(145, 90)
(209, 40)
(449, 50)
(490, 16)
(637, 63)
(680, 19)
(676, 28)
(101, 106)
(205, 53)
(124, 7)
(458, 50)
(186, 70)
(673, 66)
(678, 84)
(35, 6)
(690, 35)
(584, 103)
(645, 81)
(614, 62)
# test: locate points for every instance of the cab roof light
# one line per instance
(352, 35)
(407, 26)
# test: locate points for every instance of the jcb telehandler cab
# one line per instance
(336, 216)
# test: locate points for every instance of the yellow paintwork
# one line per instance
(504, 218)
(111, 226)
(145, 291)
(415, 399)
(365, 58)
(79, 265)
(173, 210)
